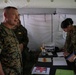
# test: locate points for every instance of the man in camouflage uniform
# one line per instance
(10, 53)
(70, 44)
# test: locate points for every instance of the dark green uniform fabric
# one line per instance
(70, 44)
(10, 54)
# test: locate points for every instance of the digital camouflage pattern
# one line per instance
(10, 54)
(70, 44)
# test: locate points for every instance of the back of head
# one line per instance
(66, 23)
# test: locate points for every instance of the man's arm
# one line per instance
(66, 45)
(73, 41)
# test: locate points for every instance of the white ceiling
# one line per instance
(38, 3)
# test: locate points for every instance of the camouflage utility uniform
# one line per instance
(10, 54)
(70, 44)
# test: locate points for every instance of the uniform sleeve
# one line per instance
(74, 41)
(68, 43)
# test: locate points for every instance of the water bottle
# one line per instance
(43, 50)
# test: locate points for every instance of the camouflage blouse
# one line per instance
(70, 44)
(10, 54)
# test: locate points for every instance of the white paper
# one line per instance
(44, 59)
(41, 70)
(60, 53)
(49, 53)
(59, 61)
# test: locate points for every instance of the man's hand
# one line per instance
(65, 53)
(71, 59)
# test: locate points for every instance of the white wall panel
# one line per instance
(39, 29)
(57, 31)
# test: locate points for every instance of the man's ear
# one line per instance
(5, 14)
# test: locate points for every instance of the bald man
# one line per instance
(10, 53)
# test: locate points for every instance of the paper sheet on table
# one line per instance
(64, 72)
(49, 53)
(41, 70)
(59, 61)
(60, 53)
(44, 59)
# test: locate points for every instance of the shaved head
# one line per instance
(11, 15)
